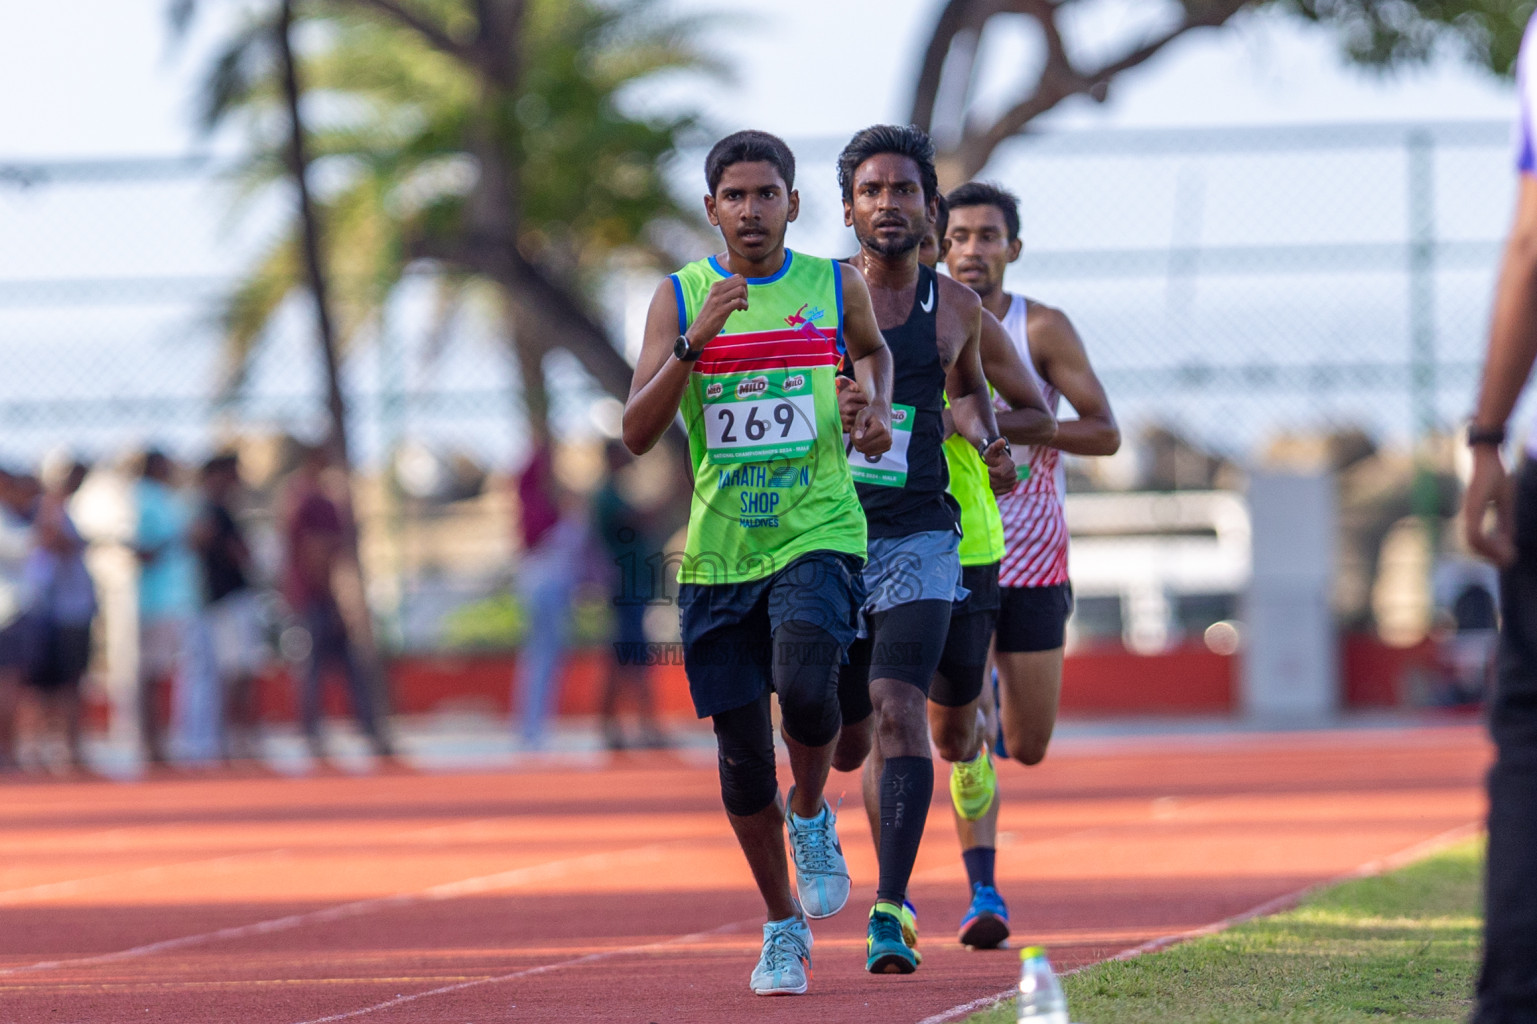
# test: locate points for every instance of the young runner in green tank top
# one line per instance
(744, 345)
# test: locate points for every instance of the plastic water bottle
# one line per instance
(1040, 994)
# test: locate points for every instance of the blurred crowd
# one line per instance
(207, 613)
(219, 587)
(606, 537)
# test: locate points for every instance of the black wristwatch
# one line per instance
(682, 351)
(1485, 435)
(987, 442)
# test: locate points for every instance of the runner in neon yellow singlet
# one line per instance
(744, 345)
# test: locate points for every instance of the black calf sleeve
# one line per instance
(744, 739)
(805, 660)
(907, 787)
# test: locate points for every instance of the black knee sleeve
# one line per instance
(908, 641)
(744, 740)
(805, 660)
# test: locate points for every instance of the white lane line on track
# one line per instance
(1380, 866)
(607, 954)
(448, 890)
(74, 886)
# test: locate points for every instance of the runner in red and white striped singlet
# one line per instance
(1034, 528)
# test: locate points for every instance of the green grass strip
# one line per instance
(1399, 947)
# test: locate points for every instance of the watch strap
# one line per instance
(1478, 435)
(683, 351)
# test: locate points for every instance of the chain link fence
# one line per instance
(1232, 287)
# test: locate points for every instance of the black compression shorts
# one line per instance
(963, 663)
(1033, 618)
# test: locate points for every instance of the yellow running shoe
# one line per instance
(909, 919)
(973, 785)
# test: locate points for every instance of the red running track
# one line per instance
(619, 895)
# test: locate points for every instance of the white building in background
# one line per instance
(1157, 569)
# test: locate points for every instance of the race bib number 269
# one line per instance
(757, 417)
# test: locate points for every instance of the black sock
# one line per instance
(907, 787)
(979, 865)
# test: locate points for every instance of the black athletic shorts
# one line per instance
(1033, 618)
(728, 628)
(963, 664)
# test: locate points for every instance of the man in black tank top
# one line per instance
(931, 325)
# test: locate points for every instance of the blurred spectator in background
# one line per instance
(554, 534)
(1465, 630)
(15, 543)
(231, 650)
(631, 549)
(316, 542)
(167, 596)
(57, 625)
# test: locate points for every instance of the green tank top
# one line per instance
(771, 477)
(981, 525)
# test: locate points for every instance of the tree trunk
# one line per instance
(956, 36)
(525, 339)
(298, 161)
(352, 589)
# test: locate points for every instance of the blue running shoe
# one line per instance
(986, 924)
(886, 953)
(821, 874)
(784, 968)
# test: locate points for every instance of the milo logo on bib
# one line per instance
(758, 417)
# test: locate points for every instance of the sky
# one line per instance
(91, 78)
(101, 79)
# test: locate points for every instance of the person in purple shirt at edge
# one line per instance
(316, 541)
(553, 542)
(64, 597)
(1507, 983)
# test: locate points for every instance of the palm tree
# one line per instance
(481, 142)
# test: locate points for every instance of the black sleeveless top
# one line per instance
(922, 503)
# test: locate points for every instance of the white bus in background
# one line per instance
(1156, 570)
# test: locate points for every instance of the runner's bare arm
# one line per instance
(871, 427)
(1060, 354)
(660, 377)
(1507, 364)
(971, 407)
(1027, 421)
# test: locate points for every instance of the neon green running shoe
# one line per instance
(886, 952)
(973, 785)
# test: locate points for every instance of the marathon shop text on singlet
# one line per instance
(903, 491)
(771, 480)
